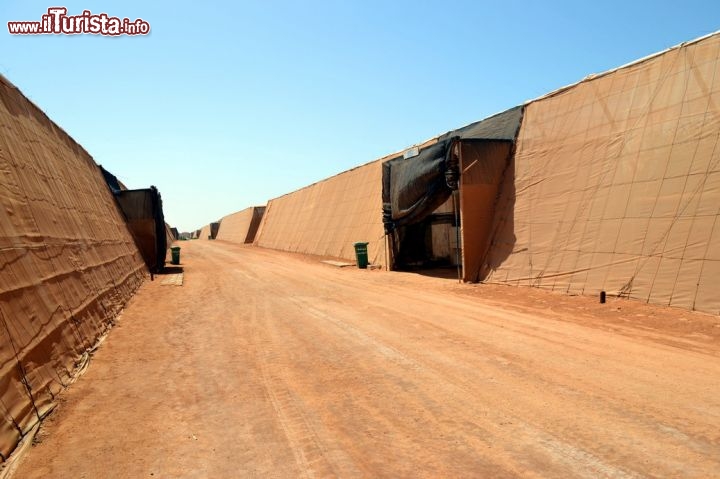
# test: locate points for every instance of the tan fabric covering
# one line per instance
(204, 233)
(67, 261)
(169, 235)
(242, 226)
(617, 185)
(327, 217)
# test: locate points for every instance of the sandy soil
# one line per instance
(265, 364)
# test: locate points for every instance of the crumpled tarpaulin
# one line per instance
(416, 186)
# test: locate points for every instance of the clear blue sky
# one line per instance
(228, 104)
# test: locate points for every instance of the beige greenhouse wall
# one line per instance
(327, 217)
(241, 227)
(68, 263)
(204, 232)
(617, 185)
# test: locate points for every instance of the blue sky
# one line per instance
(228, 104)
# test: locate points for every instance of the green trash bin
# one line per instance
(175, 253)
(361, 255)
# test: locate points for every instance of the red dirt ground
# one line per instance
(267, 364)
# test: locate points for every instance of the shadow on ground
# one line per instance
(171, 270)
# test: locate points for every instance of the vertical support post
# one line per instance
(457, 234)
(456, 201)
(385, 249)
(453, 169)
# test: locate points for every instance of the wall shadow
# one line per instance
(174, 269)
(443, 272)
(502, 239)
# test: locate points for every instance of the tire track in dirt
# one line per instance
(304, 443)
(581, 462)
(524, 324)
(702, 447)
(267, 364)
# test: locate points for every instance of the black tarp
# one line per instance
(143, 212)
(214, 228)
(144, 215)
(113, 183)
(414, 187)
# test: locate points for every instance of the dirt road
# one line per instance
(266, 364)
